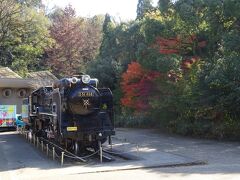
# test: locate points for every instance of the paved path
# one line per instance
(222, 157)
(19, 160)
(17, 157)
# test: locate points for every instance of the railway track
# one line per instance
(67, 158)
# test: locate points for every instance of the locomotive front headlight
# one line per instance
(86, 79)
(74, 80)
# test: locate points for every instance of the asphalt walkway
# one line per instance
(20, 160)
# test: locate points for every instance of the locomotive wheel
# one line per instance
(76, 147)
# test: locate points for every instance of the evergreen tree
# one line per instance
(164, 5)
(143, 7)
(108, 41)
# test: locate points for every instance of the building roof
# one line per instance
(42, 75)
(34, 80)
(5, 72)
(17, 83)
(23, 83)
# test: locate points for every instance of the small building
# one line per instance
(14, 88)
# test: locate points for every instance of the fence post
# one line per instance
(47, 149)
(100, 149)
(37, 142)
(42, 145)
(53, 149)
(29, 137)
(62, 158)
(110, 141)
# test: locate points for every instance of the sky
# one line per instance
(120, 9)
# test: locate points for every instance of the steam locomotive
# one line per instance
(73, 112)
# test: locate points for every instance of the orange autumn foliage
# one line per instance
(137, 84)
(177, 45)
(181, 46)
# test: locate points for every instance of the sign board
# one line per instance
(25, 113)
(7, 115)
(71, 128)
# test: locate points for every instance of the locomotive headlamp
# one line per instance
(74, 80)
(86, 79)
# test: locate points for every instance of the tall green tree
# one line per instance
(118, 48)
(108, 41)
(143, 7)
(24, 36)
(164, 6)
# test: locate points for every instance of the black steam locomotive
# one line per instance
(73, 112)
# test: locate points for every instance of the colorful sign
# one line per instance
(25, 113)
(7, 115)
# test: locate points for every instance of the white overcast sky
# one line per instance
(125, 9)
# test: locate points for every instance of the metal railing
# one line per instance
(50, 148)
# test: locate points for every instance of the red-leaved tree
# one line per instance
(137, 85)
(179, 45)
(183, 46)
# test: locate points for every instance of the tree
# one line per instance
(31, 3)
(105, 70)
(119, 45)
(9, 16)
(105, 65)
(108, 41)
(77, 41)
(137, 85)
(24, 36)
(178, 63)
(164, 6)
(143, 7)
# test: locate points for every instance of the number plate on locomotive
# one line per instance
(85, 94)
(71, 128)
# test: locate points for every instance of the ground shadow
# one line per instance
(17, 153)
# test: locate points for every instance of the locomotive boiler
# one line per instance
(73, 112)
